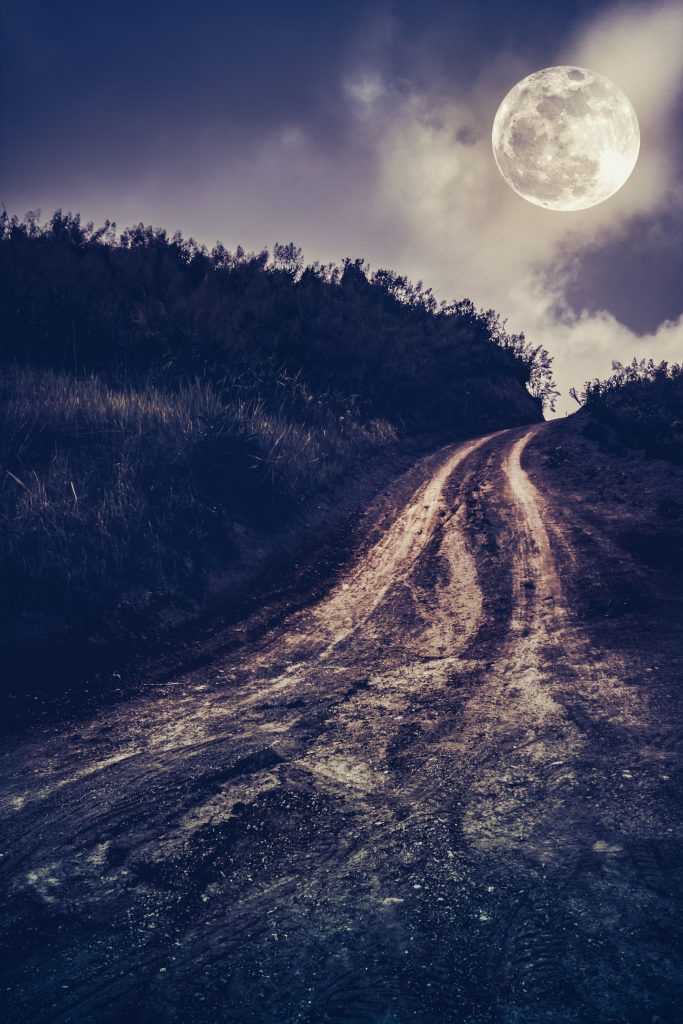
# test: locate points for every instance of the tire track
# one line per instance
(428, 797)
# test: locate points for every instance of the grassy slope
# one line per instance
(169, 414)
(118, 496)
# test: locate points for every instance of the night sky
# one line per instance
(360, 129)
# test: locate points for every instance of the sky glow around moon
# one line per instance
(566, 138)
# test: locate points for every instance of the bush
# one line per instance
(643, 403)
(79, 300)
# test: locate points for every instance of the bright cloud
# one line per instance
(456, 224)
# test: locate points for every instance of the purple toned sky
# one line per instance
(360, 129)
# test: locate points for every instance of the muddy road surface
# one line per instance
(435, 795)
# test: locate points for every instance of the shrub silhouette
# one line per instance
(158, 399)
(76, 299)
(643, 402)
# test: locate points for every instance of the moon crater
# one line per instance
(566, 138)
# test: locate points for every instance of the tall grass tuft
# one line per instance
(123, 493)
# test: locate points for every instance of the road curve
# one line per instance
(429, 797)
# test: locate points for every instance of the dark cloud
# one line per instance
(467, 136)
(637, 276)
(127, 84)
(113, 88)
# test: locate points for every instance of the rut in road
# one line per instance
(429, 797)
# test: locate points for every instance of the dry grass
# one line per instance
(111, 495)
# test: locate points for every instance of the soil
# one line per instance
(445, 788)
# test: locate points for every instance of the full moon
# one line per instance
(566, 138)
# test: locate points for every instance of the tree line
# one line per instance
(84, 300)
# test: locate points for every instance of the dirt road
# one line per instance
(433, 796)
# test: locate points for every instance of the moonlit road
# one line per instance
(433, 795)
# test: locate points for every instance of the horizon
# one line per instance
(363, 135)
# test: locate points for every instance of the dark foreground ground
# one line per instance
(446, 791)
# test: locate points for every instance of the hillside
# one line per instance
(641, 406)
(167, 410)
(615, 471)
